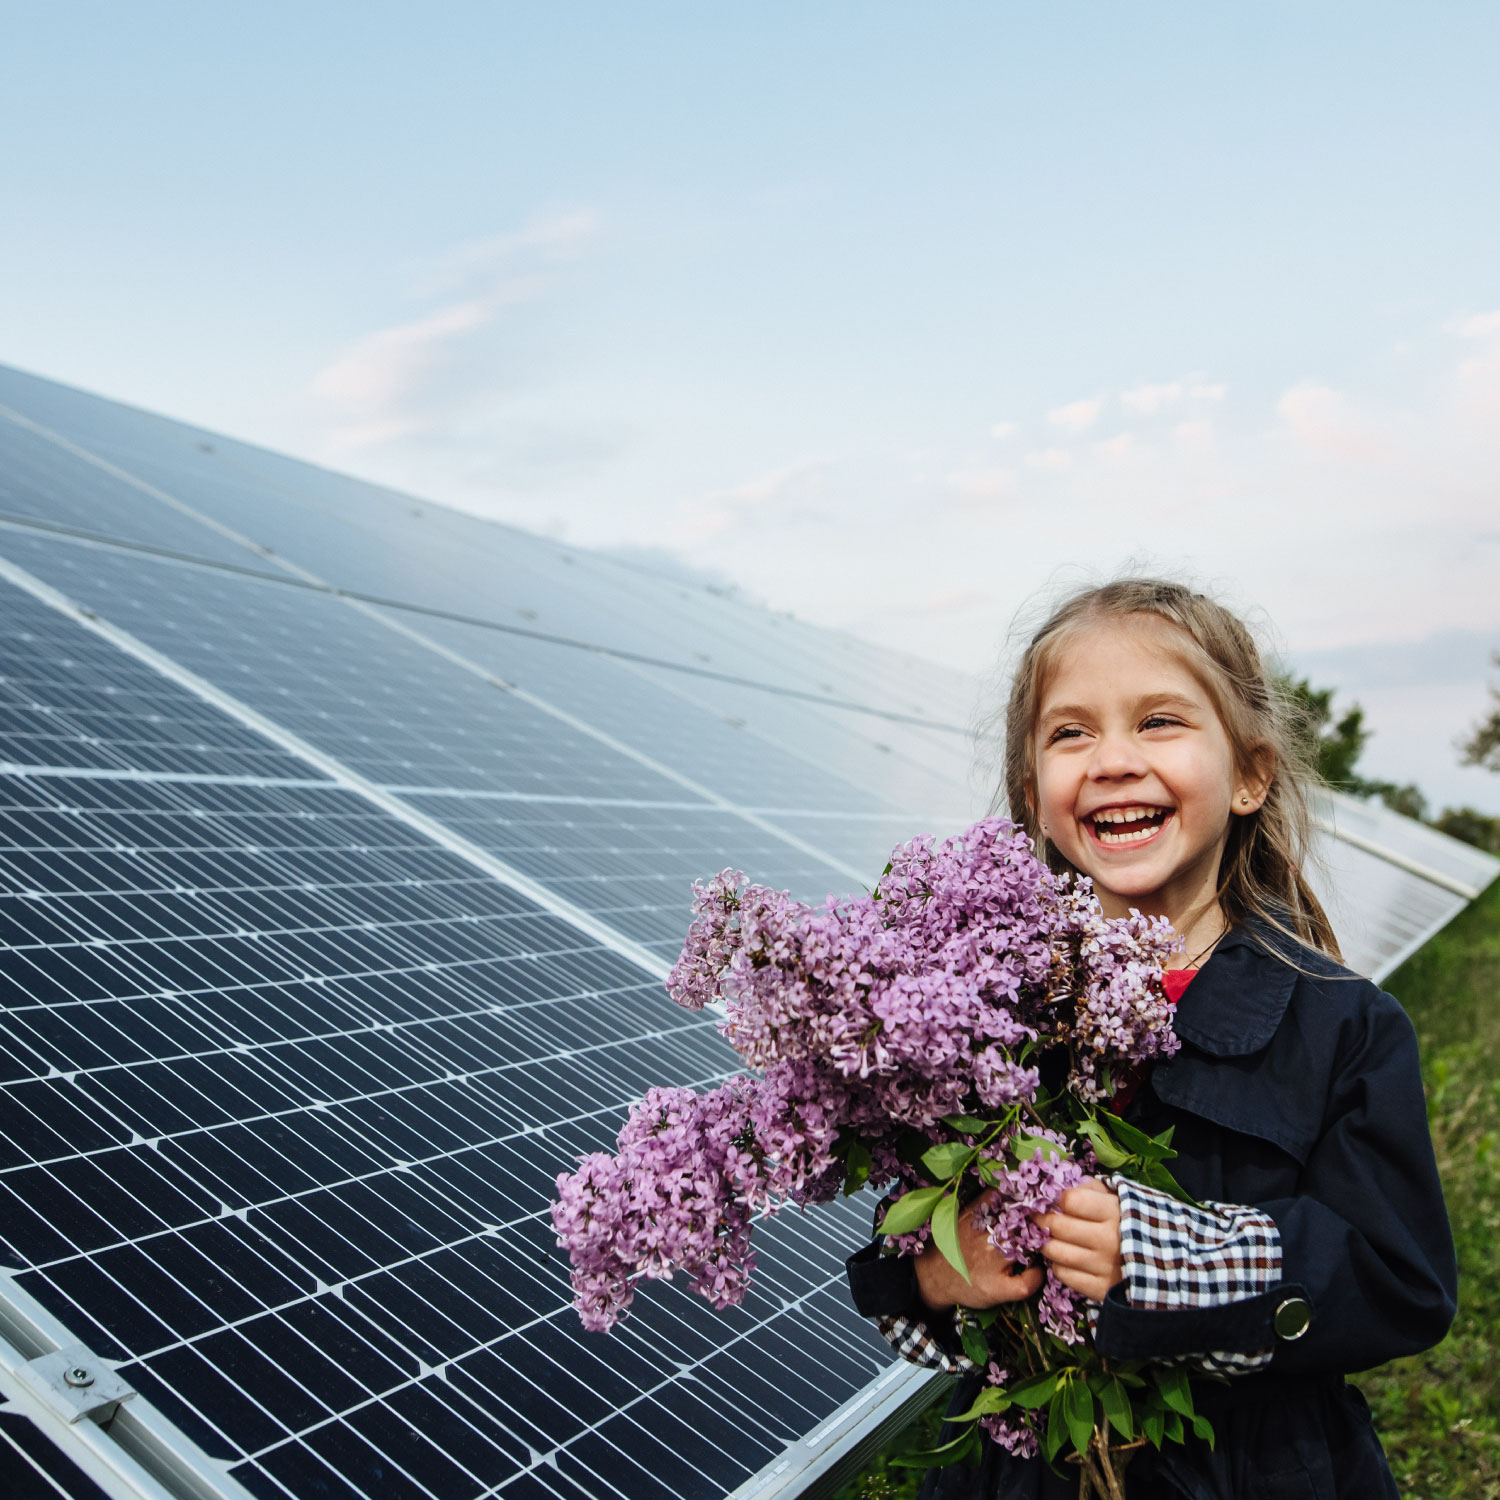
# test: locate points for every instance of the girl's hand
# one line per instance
(1085, 1244)
(992, 1278)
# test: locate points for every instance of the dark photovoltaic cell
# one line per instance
(284, 1081)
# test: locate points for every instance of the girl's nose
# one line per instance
(1115, 756)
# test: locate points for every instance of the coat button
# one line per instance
(1291, 1318)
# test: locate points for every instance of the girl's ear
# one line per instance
(1031, 806)
(1255, 786)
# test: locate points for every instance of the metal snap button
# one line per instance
(1291, 1318)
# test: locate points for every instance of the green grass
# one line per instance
(1438, 1413)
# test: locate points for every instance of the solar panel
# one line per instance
(286, 1088)
(331, 929)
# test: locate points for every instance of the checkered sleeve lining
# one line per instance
(913, 1340)
(1178, 1255)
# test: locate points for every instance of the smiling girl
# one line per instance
(1147, 749)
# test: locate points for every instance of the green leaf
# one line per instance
(856, 1168)
(1175, 1433)
(967, 1124)
(1057, 1428)
(1153, 1424)
(1136, 1142)
(976, 1346)
(989, 1401)
(966, 1443)
(1115, 1400)
(1109, 1154)
(1078, 1411)
(911, 1210)
(1175, 1390)
(1035, 1390)
(1204, 1429)
(945, 1233)
(1024, 1147)
(1157, 1176)
(947, 1160)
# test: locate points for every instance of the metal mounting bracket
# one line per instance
(74, 1383)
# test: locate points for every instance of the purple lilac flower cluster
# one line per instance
(866, 1023)
(1014, 1430)
(678, 1195)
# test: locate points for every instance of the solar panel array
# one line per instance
(343, 843)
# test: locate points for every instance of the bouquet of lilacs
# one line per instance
(953, 1036)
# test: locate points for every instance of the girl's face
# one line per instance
(1136, 781)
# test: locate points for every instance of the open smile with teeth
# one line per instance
(1115, 826)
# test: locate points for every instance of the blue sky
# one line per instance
(892, 315)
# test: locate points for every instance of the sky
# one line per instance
(896, 317)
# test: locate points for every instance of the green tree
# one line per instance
(1471, 826)
(1334, 745)
(1482, 748)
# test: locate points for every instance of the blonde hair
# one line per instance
(1260, 874)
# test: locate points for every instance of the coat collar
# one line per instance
(1238, 999)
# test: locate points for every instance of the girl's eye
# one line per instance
(1160, 721)
(1064, 733)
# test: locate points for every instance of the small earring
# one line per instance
(1244, 800)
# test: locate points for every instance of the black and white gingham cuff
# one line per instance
(1180, 1257)
(913, 1340)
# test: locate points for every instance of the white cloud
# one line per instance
(1049, 458)
(382, 387)
(1327, 420)
(1076, 416)
(793, 493)
(981, 492)
(1477, 326)
(1118, 448)
(1149, 400)
(1003, 430)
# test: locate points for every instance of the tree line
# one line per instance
(1336, 743)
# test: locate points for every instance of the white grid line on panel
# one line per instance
(165, 778)
(619, 746)
(480, 794)
(533, 890)
(115, 472)
(656, 1390)
(683, 691)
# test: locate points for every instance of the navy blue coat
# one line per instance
(1297, 1089)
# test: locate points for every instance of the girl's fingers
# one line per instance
(1077, 1231)
(1091, 1200)
(1016, 1286)
(1061, 1253)
(1095, 1288)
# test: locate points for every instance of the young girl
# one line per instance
(1146, 749)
